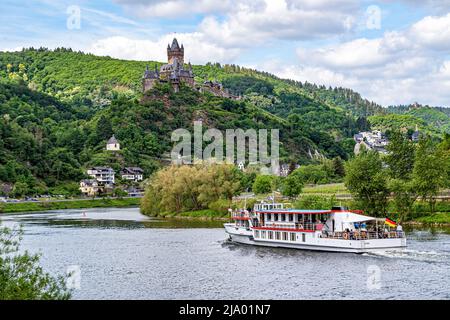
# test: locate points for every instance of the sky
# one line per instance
(392, 52)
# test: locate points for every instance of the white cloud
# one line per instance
(433, 32)
(397, 68)
(281, 19)
(196, 49)
(240, 23)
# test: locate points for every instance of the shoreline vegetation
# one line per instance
(19, 207)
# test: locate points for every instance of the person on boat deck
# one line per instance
(399, 230)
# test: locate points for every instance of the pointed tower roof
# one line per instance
(175, 44)
(112, 140)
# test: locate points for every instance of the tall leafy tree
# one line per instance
(430, 172)
(338, 167)
(292, 185)
(400, 159)
(366, 179)
(104, 128)
(263, 184)
(400, 162)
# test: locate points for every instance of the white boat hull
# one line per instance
(315, 242)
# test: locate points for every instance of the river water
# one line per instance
(121, 254)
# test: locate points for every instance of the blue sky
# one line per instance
(392, 52)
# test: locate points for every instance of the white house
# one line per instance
(104, 175)
(113, 144)
(241, 166)
(135, 174)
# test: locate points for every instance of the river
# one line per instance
(121, 254)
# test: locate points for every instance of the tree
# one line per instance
(104, 128)
(20, 189)
(247, 180)
(313, 173)
(338, 167)
(400, 159)
(367, 182)
(430, 172)
(185, 188)
(263, 184)
(292, 185)
(21, 276)
(444, 147)
(404, 196)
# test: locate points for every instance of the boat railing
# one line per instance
(363, 235)
(310, 226)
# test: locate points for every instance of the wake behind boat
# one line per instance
(339, 229)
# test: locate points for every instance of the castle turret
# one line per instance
(175, 51)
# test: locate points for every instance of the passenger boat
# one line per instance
(338, 229)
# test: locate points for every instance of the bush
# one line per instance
(263, 184)
(220, 206)
(21, 277)
(292, 185)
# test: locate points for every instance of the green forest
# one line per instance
(59, 107)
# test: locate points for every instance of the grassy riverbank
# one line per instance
(68, 204)
(435, 218)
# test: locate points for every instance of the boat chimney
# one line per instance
(339, 208)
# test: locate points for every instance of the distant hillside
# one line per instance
(58, 108)
(79, 76)
(435, 119)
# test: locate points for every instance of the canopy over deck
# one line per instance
(350, 217)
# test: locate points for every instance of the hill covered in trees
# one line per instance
(435, 118)
(58, 108)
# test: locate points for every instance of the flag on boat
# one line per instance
(390, 223)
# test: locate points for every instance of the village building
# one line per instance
(105, 176)
(90, 187)
(134, 174)
(284, 170)
(374, 140)
(113, 144)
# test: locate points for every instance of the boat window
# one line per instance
(275, 217)
(285, 236)
(257, 234)
(283, 217)
(270, 234)
(291, 217)
(263, 234)
(293, 236)
(277, 235)
(303, 237)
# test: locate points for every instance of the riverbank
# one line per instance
(198, 214)
(439, 218)
(68, 204)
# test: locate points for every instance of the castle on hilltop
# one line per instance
(176, 73)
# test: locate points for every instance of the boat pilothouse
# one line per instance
(338, 229)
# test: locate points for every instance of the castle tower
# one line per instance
(175, 51)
